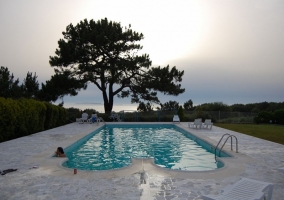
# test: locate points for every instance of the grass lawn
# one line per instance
(271, 132)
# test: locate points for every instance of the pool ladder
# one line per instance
(228, 136)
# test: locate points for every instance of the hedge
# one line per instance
(23, 117)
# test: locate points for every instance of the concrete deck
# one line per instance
(39, 176)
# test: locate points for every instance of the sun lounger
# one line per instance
(84, 118)
(197, 123)
(94, 118)
(245, 188)
(176, 119)
(207, 123)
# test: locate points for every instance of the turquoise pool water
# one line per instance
(113, 146)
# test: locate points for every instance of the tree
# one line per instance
(188, 105)
(30, 86)
(106, 54)
(144, 107)
(58, 86)
(171, 105)
(216, 106)
(279, 116)
(8, 87)
(181, 114)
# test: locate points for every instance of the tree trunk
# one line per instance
(108, 102)
(108, 107)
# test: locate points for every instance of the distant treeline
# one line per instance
(252, 107)
(267, 112)
(220, 106)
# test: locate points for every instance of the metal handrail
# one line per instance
(100, 118)
(229, 136)
(219, 143)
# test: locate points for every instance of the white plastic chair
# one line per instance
(207, 123)
(95, 118)
(84, 118)
(197, 123)
(176, 119)
(244, 189)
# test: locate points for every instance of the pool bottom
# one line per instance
(113, 147)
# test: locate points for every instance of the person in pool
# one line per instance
(59, 152)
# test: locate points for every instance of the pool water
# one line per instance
(113, 146)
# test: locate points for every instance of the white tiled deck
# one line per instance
(257, 159)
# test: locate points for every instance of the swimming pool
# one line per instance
(113, 146)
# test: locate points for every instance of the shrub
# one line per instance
(62, 116)
(23, 117)
(9, 111)
(181, 114)
(279, 116)
(51, 116)
(264, 117)
(31, 116)
(72, 114)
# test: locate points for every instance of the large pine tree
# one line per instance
(106, 54)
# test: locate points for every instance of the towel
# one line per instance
(7, 171)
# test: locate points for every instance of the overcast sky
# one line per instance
(231, 51)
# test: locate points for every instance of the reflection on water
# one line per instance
(113, 148)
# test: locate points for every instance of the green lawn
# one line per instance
(271, 132)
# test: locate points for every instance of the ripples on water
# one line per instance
(113, 148)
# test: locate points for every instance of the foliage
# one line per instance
(106, 54)
(242, 107)
(279, 116)
(188, 105)
(237, 120)
(51, 116)
(276, 117)
(203, 115)
(216, 106)
(181, 114)
(31, 116)
(60, 85)
(23, 117)
(30, 86)
(8, 118)
(142, 107)
(171, 105)
(273, 106)
(257, 107)
(8, 87)
(264, 117)
(91, 111)
(11, 89)
(72, 114)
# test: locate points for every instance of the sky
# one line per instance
(231, 51)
